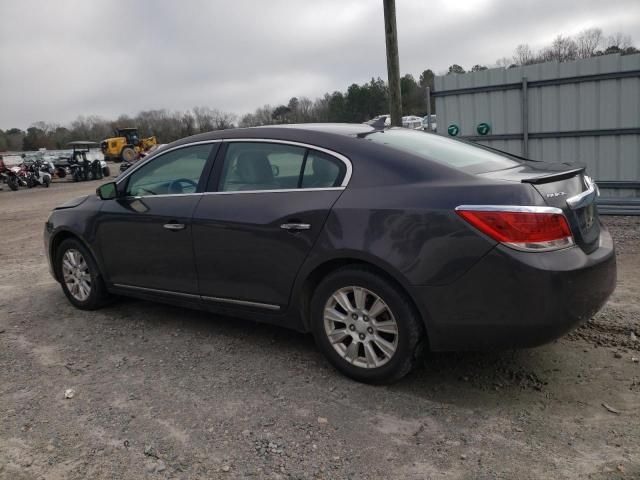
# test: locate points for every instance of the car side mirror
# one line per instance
(108, 191)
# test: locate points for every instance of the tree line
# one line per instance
(357, 104)
(165, 125)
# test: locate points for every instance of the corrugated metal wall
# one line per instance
(567, 111)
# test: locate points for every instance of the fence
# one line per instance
(586, 111)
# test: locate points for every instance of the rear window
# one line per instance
(453, 153)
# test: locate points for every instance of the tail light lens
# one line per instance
(531, 229)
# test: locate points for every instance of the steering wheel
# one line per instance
(176, 185)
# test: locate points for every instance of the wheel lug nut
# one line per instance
(370, 330)
(365, 318)
(362, 336)
(352, 327)
(354, 316)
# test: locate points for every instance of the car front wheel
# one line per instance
(81, 281)
(365, 325)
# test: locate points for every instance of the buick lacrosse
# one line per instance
(381, 242)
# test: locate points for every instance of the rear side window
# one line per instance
(453, 153)
(251, 166)
(322, 171)
(261, 166)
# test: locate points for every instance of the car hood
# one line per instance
(72, 203)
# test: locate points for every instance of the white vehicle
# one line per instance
(412, 121)
(425, 123)
(409, 121)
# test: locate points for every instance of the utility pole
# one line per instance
(393, 64)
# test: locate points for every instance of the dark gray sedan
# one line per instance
(380, 242)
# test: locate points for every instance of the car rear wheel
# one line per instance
(81, 281)
(365, 325)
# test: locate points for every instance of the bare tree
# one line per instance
(305, 107)
(188, 124)
(562, 49)
(204, 118)
(223, 120)
(504, 62)
(619, 41)
(588, 41)
(523, 55)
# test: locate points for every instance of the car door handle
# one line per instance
(295, 226)
(174, 226)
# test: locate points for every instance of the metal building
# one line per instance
(586, 111)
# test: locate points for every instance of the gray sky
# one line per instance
(63, 58)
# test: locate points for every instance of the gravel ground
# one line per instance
(159, 392)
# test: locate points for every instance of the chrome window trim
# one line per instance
(138, 165)
(232, 192)
(510, 208)
(283, 190)
(582, 199)
(339, 156)
(233, 301)
(163, 195)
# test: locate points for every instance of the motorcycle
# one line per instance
(39, 173)
(8, 176)
(21, 175)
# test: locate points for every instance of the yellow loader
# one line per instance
(125, 145)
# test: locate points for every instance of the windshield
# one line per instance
(453, 153)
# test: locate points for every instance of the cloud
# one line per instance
(106, 57)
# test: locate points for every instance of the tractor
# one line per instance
(125, 145)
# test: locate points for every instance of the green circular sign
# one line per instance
(483, 128)
(453, 130)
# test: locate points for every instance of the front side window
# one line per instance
(174, 173)
(275, 166)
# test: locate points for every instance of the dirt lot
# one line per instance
(166, 393)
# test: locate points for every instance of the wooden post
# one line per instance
(393, 63)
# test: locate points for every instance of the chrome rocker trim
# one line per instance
(234, 301)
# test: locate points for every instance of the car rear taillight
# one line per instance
(532, 229)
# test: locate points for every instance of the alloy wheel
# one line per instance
(75, 272)
(361, 327)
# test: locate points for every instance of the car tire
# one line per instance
(85, 272)
(106, 172)
(372, 359)
(46, 181)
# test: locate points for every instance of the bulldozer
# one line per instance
(125, 145)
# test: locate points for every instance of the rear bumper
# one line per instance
(513, 299)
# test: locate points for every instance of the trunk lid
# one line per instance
(565, 187)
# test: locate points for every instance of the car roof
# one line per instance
(283, 131)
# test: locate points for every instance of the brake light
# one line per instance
(531, 229)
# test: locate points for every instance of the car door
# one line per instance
(144, 235)
(264, 208)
